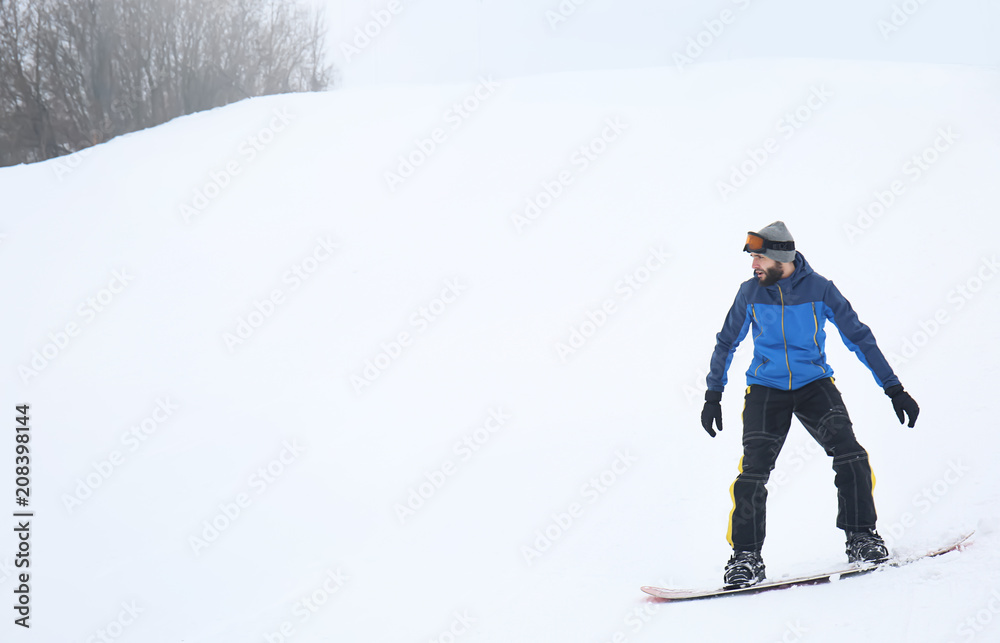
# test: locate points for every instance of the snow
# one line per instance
(248, 353)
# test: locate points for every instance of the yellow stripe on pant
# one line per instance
(732, 487)
(732, 496)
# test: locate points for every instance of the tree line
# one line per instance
(75, 73)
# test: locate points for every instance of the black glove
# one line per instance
(903, 403)
(712, 411)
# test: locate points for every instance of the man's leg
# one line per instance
(767, 414)
(821, 410)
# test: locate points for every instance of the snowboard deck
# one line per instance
(845, 571)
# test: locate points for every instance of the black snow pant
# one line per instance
(767, 416)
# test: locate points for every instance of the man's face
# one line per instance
(767, 271)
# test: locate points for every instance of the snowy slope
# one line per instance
(425, 363)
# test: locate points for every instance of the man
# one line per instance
(786, 305)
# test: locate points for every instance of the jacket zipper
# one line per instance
(785, 339)
(819, 352)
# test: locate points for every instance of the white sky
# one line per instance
(457, 40)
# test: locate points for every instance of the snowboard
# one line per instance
(845, 571)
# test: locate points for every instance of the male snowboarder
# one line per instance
(786, 305)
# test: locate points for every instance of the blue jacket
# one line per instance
(787, 319)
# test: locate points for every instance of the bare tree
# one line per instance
(78, 73)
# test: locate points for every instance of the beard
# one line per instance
(770, 277)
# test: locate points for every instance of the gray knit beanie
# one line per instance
(778, 232)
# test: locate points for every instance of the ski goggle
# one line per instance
(758, 244)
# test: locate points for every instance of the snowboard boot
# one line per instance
(866, 547)
(744, 569)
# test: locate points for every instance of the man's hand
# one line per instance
(902, 404)
(712, 411)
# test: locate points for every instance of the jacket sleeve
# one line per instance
(734, 329)
(858, 337)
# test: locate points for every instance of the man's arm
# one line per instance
(858, 337)
(734, 329)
